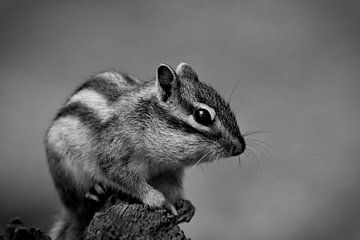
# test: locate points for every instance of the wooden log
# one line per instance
(119, 219)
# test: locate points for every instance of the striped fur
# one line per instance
(121, 132)
(94, 101)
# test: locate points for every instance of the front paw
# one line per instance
(156, 199)
(97, 195)
(185, 209)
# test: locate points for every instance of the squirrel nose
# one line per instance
(238, 147)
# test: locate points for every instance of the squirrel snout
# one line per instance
(238, 147)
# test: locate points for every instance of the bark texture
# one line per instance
(119, 219)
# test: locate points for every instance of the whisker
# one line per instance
(257, 163)
(265, 151)
(202, 170)
(260, 149)
(199, 161)
(254, 132)
(262, 142)
(247, 155)
(239, 160)
(233, 89)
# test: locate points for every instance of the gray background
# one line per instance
(298, 63)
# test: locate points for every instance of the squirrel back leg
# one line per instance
(77, 209)
(67, 227)
(70, 226)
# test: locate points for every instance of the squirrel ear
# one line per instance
(165, 77)
(184, 70)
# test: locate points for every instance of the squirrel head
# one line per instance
(197, 123)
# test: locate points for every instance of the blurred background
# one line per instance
(298, 67)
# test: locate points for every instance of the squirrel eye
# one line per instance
(203, 117)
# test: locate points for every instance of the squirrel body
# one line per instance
(135, 137)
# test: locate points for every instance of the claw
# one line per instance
(93, 197)
(171, 208)
(185, 209)
(97, 193)
(99, 189)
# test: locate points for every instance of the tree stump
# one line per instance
(119, 219)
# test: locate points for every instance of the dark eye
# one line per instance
(202, 116)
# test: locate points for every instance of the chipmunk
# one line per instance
(135, 137)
